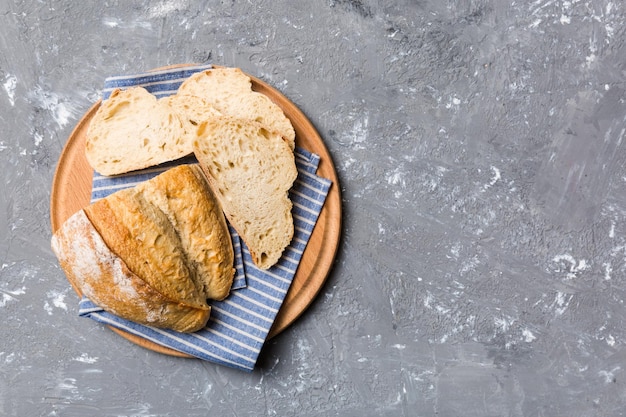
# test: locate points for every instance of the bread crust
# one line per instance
(103, 277)
(143, 237)
(183, 195)
(152, 253)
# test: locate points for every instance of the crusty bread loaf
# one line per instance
(250, 170)
(143, 237)
(102, 276)
(229, 90)
(199, 223)
(167, 238)
(132, 130)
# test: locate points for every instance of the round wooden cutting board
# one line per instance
(71, 191)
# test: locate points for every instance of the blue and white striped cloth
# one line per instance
(239, 325)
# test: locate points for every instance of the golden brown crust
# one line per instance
(143, 237)
(153, 253)
(104, 278)
(182, 194)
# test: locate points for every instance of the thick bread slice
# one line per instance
(143, 237)
(250, 170)
(133, 130)
(229, 90)
(183, 195)
(104, 278)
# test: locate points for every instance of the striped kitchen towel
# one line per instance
(239, 325)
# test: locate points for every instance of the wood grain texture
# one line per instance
(71, 190)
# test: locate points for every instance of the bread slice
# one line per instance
(229, 90)
(183, 195)
(143, 237)
(101, 275)
(132, 130)
(192, 111)
(250, 169)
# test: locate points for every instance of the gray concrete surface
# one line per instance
(480, 148)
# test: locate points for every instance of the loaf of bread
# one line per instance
(251, 170)
(229, 90)
(152, 254)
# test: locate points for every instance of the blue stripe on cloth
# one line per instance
(164, 80)
(307, 160)
(238, 325)
(158, 90)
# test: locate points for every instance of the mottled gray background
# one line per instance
(480, 149)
